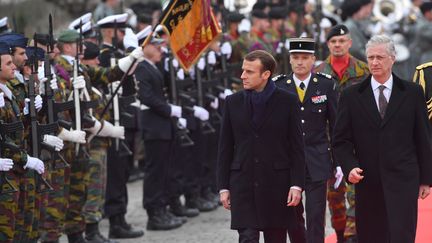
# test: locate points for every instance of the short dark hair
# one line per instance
(267, 60)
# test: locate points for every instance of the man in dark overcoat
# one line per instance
(382, 140)
(261, 157)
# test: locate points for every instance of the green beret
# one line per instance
(68, 36)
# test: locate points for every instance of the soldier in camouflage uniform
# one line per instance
(14, 223)
(259, 39)
(29, 216)
(93, 77)
(346, 70)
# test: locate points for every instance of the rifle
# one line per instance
(182, 133)
(206, 127)
(3, 178)
(49, 94)
(35, 138)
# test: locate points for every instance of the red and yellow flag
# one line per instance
(191, 26)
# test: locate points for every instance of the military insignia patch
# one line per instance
(278, 77)
(319, 99)
(324, 75)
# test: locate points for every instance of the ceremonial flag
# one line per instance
(191, 26)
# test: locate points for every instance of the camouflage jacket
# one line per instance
(356, 72)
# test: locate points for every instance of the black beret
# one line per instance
(302, 45)
(277, 13)
(91, 51)
(259, 5)
(145, 18)
(259, 14)
(235, 17)
(337, 30)
(426, 7)
(349, 8)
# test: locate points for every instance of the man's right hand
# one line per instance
(225, 199)
(355, 175)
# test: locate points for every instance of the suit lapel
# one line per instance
(396, 98)
(367, 99)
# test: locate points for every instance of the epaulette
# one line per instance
(324, 75)
(279, 77)
(424, 65)
(104, 50)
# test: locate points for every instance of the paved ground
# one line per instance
(208, 227)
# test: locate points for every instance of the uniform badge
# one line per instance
(319, 99)
(318, 92)
(315, 80)
(288, 81)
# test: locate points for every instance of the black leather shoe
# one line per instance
(160, 220)
(76, 238)
(93, 234)
(201, 204)
(181, 211)
(119, 229)
(181, 219)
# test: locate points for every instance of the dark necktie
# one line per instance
(382, 101)
(302, 86)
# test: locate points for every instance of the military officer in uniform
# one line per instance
(317, 99)
(423, 76)
(346, 70)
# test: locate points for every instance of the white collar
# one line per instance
(6, 91)
(388, 83)
(19, 76)
(68, 58)
(298, 81)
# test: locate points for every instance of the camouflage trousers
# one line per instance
(341, 217)
(28, 207)
(74, 220)
(54, 210)
(96, 184)
(9, 208)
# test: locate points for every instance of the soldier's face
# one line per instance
(253, 77)
(7, 68)
(19, 57)
(380, 62)
(339, 45)
(153, 52)
(302, 63)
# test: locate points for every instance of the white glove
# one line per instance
(53, 141)
(130, 39)
(79, 83)
(226, 49)
(225, 93)
(6, 164)
(244, 26)
(287, 44)
(211, 58)
(73, 136)
(214, 104)
(38, 104)
(180, 74)
(95, 129)
(53, 84)
(201, 64)
(338, 175)
(175, 63)
(109, 130)
(279, 48)
(2, 102)
(182, 122)
(125, 62)
(201, 113)
(176, 111)
(114, 85)
(35, 164)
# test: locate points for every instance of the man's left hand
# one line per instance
(424, 191)
(294, 197)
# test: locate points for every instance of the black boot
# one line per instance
(76, 238)
(340, 236)
(201, 204)
(181, 211)
(93, 234)
(119, 229)
(160, 220)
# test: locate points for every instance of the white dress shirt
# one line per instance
(297, 81)
(387, 91)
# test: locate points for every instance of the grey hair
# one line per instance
(382, 39)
